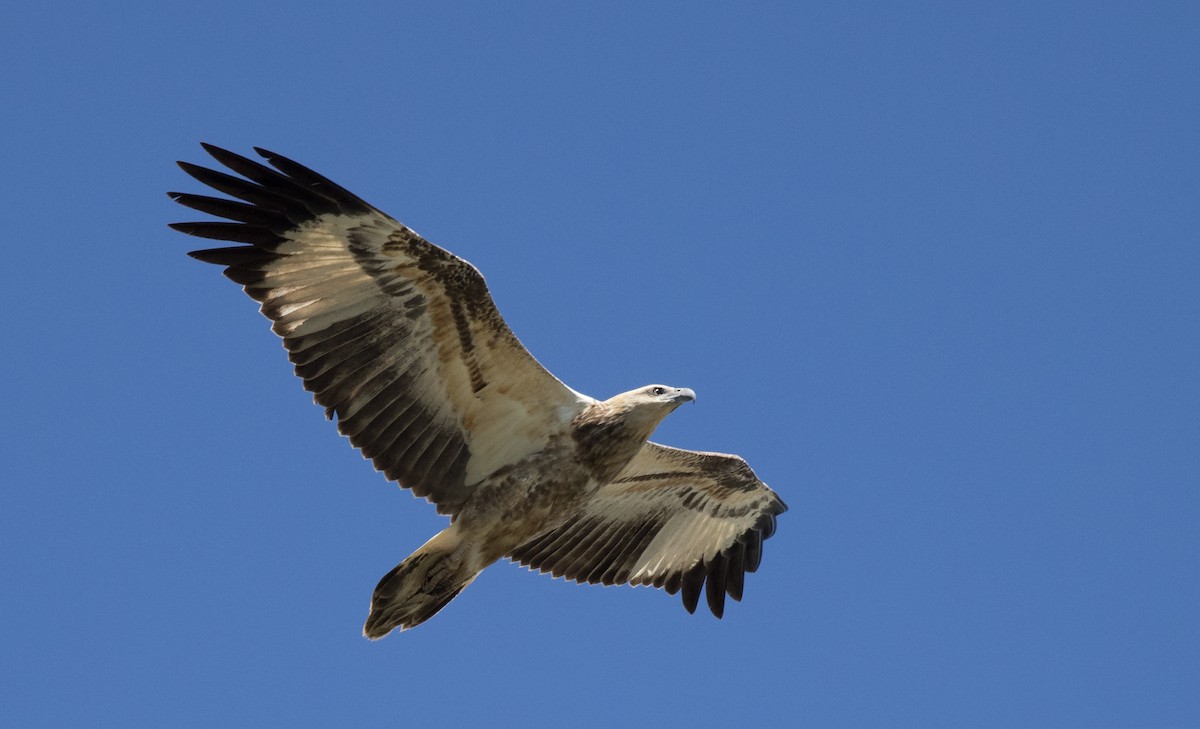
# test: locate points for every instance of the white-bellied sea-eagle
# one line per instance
(400, 340)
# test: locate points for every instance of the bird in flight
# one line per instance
(401, 341)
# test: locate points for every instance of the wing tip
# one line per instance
(208, 255)
(724, 574)
(714, 585)
(690, 586)
(216, 151)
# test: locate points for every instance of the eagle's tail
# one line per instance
(422, 584)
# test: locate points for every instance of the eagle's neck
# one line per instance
(607, 437)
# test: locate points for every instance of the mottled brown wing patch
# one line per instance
(680, 520)
(397, 338)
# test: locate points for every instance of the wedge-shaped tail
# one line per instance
(422, 585)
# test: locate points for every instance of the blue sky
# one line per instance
(932, 269)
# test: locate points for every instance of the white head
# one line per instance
(646, 406)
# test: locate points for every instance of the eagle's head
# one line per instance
(645, 407)
(662, 396)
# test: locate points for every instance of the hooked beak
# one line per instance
(684, 394)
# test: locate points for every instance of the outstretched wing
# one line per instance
(397, 337)
(674, 519)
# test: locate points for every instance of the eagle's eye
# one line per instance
(656, 391)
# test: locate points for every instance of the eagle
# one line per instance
(401, 342)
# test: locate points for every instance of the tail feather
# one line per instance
(417, 588)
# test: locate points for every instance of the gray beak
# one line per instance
(684, 394)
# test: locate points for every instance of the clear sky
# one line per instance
(933, 269)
